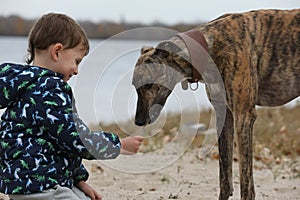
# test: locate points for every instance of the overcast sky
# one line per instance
(166, 11)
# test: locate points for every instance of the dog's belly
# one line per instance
(277, 94)
(269, 100)
(278, 85)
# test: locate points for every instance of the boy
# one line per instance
(43, 140)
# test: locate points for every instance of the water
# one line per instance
(103, 89)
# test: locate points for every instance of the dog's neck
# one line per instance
(194, 49)
(197, 47)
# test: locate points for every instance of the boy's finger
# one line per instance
(140, 138)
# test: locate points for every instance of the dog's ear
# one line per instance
(146, 49)
(167, 48)
(170, 50)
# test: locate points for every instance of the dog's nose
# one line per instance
(140, 122)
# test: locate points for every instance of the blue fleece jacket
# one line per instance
(42, 139)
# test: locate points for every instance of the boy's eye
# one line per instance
(77, 62)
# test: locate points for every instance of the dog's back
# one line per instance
(264, 42)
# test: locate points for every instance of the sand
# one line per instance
(187, 177)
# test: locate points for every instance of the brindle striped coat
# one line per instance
(258, 56)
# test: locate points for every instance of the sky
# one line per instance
(165, 11)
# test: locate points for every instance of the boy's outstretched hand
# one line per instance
(130, 145)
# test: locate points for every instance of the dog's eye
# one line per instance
(148, 61)
(148, 86)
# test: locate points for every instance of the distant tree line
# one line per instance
(17, 26)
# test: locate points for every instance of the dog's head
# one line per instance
(155, 75)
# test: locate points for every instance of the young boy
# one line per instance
(43, 141)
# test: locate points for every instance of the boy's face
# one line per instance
(68, 61)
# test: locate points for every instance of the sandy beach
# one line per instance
(188, 178)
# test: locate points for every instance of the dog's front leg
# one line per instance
(244, 126)
(225, 143)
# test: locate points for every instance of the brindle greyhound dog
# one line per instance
(257, 54)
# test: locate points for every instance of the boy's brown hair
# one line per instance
(55, 28)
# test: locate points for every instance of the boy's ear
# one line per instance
(55, 50)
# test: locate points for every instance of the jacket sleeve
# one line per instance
(81, 175)
(69, 131)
